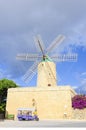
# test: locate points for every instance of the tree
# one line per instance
(4, 85)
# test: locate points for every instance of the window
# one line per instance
(49, 85)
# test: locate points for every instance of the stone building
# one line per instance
(50, 100)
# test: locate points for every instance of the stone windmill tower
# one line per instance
(50, 101)
(44, 63)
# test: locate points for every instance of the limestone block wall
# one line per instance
(79, 114)
(51, 103)
(46, 74)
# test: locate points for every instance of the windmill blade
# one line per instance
(28, 57)
(39, 44)
(30, 73)
(65, 57)
(56, 42)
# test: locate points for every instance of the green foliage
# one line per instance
(4, 85)
(2, 107)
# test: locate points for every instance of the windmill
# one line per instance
(44, 63)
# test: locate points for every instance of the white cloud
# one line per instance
(20, 20)
(83, 74)
(78, 40)
(75, 87)
(1, 73)
(4, 74)
(83, 78)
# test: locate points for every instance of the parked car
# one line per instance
(27, 114)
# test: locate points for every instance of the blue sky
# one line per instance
(21, 20)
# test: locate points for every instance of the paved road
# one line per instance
(43, 123)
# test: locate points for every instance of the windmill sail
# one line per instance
(56, 42)
(44, 57)
(66, 57)
(28, 57)
(30, 73)
(39, 44)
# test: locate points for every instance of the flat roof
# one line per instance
(24, 109)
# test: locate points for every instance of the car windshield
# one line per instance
(26, 111)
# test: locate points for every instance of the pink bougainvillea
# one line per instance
(79, 102)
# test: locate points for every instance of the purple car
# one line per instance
(26, 114)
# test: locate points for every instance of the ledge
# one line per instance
(34, 89)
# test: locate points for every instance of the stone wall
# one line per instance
(79, 114)
(46, 75)
(51, 103)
